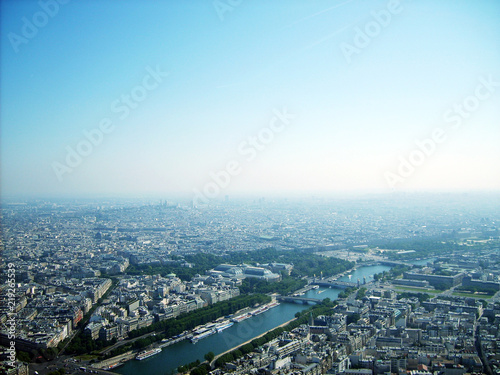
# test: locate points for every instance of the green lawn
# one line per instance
(419, 290)
(86, 357)
(480, 296)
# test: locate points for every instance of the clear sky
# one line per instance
(336, 94)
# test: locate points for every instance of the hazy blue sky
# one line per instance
(363, 80)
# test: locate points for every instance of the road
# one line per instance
(111, 361)
(124, 342)
(70, 365)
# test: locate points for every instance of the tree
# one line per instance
(199, 371)
(361, 293)
(353, 318)
(23, 357)
(209, 356)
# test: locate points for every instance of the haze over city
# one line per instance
(156, 98)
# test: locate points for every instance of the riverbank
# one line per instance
(122, 358)
(247, 342)
(239, 334)
(118, 360)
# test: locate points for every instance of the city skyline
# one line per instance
(310, 285)
(221, 98)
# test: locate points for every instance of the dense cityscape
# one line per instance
(96, 284)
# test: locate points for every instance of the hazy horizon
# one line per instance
(432, 198)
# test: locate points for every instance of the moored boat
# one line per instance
(241, 318)
(147, 354)
(200, 336)
(221, 327)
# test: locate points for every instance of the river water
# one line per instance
(185, 352)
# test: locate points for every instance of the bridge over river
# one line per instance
(334, 284)
(304, 300)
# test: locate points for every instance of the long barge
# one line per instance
(241, 318)
(147, 354)
(222, 326)
(202, 335)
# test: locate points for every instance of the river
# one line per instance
(185, 352)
